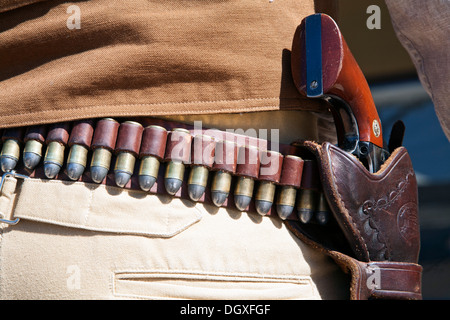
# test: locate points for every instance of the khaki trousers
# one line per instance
(86, 241)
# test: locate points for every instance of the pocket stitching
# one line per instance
(196, 275)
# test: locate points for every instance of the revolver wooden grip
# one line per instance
(324, 67)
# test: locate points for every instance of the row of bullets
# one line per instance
(130, 141)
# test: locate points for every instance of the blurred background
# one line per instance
(399, 95)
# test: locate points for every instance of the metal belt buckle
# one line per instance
(4, 176)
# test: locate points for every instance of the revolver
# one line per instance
(323, 67)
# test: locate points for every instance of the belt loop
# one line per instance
(4, 176)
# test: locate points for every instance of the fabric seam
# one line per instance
(195, 272)
(234, 277)
(151, 104)
(178, 230)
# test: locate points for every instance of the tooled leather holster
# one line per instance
(375, 237)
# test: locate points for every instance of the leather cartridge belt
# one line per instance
(372, 233)
(164, 157)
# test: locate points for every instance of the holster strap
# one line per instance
(388, 280)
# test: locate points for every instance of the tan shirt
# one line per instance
(144, 58)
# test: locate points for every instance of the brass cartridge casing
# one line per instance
(220, 187)
(307, 204)
(243, 192)
(53, 159)
(287, 196)
(323, 210)
(264, 197)
(33, 146)
(11, 149)
(173, 176)
(125, 162)
(76, 161)
(100, 164)
(124, 168)
(32, 153)
(78, 154)
(101, 158)
(244, 186)
(148, 172)
(55, 153)
(265, 192)
(149, 166)
(221, 182)
(10, 154)
(286, 201)
(198, 178)
(174, 170)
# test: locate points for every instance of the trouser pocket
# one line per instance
(163, 284)
(99, 208)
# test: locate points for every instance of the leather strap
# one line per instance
(59, 132)
(388, 280)
(37, 133)
(178, 147)
(105, 134)
(203, 151)
(271, 166)
(292, 171)
(129, 137)
(154, 141)
(248, 162)
(226, 154)
(81, 133)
